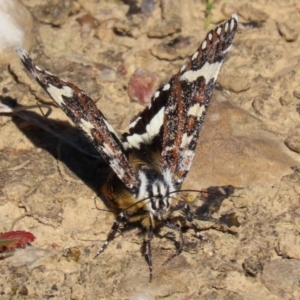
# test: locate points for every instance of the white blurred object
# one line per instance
(15, 25)
(142, 296)
(30, 256)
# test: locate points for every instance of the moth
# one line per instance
(150, 162)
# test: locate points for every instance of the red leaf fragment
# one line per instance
(15, 239)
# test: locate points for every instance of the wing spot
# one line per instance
(115, 164)
(47, 72)
(166, 87)
(226, 27)
(196, 110)
(195, 55)
(186, 140)
(168, 148)
(182, 68)
(232, 23)
(152, 129)
(110, 152)
(110, 128)
(58, 93)
(234, 16)
(186, 161)
(133, 123)
(87, 127)
(208, 72)
(210, 36)
(219, 30)
(156, 94)
(204, 44)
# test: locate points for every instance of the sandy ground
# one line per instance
(251, 140)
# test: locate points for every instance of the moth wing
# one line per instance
(189, 96)
(146, 128)
(81, 109)
(173, 121)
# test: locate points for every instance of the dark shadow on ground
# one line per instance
(92, 171)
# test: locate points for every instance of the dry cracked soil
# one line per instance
(251, 140)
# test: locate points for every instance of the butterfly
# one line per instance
(150, 161)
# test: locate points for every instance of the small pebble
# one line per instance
(286, 99)
(288, 33)
(142, 86)
(293, 142)
(249, 13)
(258, 106)
(296, 93)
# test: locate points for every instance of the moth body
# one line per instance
(150, 203)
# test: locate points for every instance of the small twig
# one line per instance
(18, 219)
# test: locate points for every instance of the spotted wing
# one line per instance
(190, 93)
(81, 109)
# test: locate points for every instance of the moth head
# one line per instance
(156, 188)
(159, 206)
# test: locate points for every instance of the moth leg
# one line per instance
(116, 228)
(185, 208)
(198, 235)
(182, 205)
(147, 249)
(179, 244)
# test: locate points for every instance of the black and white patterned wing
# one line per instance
(190, 92)
(189, 96)
(175, 117)
(146, 128)
(81, 109)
